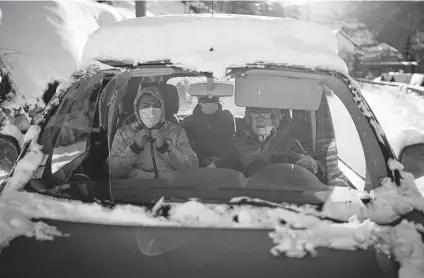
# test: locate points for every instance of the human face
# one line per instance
(147, 101)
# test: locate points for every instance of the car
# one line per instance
(202, 222)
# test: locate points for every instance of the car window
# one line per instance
(188, 103)
(350, 151)
(69, 129)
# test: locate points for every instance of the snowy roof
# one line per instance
(341, 32)
(214, 43)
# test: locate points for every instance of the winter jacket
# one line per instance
(212, 136)
(250, 148)
(150, 162)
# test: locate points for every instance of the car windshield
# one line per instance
(266, 132)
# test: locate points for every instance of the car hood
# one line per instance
(122, 251)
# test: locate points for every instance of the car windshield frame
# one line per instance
(384, 150)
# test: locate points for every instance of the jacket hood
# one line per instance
(154, 92)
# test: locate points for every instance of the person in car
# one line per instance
(150, 147)
(211, 131)
(265, 131)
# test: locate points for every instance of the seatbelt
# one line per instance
(314, 130)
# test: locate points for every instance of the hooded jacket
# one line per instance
(212, 136)
(150, 162)
(250, 148)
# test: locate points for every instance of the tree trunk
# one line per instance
(140, 8)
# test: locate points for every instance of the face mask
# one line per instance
(262, 127)
(150, 116)
(263, 132)
(209, 108)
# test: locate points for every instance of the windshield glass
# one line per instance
(158, 131)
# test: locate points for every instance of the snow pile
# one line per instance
(303, 240)
(397, 111)
(7, 128)
(25, 167)
(221, 41)
(403, 241)
(14, 224)
(389, 202)
(50, 41)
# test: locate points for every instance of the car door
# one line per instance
(66, 136)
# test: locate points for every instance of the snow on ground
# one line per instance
(397, 111)
(47, 42)
(229, 41)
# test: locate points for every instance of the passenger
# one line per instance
(265, 131)
(211, 131)
(150, 147)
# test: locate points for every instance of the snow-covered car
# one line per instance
(275, 220)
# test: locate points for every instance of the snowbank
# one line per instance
(50, 41)
(397, 111)
(214, 43)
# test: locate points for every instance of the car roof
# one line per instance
(214, 43)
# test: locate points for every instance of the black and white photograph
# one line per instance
(211, 139)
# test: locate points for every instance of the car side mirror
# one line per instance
(412, 158)
(9, 152)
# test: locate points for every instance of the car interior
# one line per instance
(310, 122)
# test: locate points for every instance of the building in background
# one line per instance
(351, 52)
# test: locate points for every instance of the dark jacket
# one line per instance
(212, 136)
(250, 148)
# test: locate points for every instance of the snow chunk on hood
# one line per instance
(390, 201)
(298, 243)
(215, 43)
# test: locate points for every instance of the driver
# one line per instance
(265, 131)
(150, 147)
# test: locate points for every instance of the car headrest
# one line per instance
(171, 99)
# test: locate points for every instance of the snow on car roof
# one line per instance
(214, 43)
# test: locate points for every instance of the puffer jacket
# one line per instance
(150, 162)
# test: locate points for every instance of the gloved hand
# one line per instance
(309, 163)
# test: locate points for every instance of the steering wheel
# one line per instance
(270, 158)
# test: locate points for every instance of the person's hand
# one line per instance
(309, 163)
(211, 165)
(159, 139)
(141, 137)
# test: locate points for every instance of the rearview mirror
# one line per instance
(221, 89)
(412, 158)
